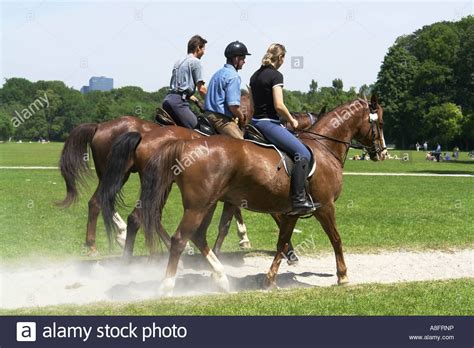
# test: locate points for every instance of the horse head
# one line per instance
(370, 130)
(357, 119)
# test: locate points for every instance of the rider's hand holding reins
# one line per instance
(294, 123)
(198, 103)
(237, 112)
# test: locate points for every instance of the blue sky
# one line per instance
(137, 42)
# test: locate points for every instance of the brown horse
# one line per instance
(131, 152)
(100, 137)
(237, 171)
(74, 164)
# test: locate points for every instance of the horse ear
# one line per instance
(374, 100)
(362, 95)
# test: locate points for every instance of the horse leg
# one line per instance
(244, 241)
(228, 212)
(121, 229)
(133, 224)
(199, 239)
(291, 257)
(327, 218)
(287, 224)
(189, 224)
(94, 210)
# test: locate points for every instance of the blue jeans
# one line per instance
(282, 138)
(178, 109)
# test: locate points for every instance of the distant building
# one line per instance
(98, 83)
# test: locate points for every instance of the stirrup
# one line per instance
(307, 213)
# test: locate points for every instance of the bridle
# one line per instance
(375, 149)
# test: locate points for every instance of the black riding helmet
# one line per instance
(236, 48)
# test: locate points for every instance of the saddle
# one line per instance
(253, 135)
(163, 118)
(203, 127)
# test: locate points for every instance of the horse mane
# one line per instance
(337, 108)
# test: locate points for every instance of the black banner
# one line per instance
(91, 331)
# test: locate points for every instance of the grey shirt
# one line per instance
(187, 72)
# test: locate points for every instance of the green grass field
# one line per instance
(452, 297)
(374, 213)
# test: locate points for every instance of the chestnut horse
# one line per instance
(100, 137)
(237, 171)
(131, 152)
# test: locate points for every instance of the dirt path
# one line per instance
(109, 279)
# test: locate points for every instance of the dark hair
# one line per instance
(196, 42)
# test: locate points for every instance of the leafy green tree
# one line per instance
(394, 84)
(424, 71)
(443, 122)
(313, 87)
(103, 109)
(337, 85)
(464, 67)
(6, 126)
(438, 42)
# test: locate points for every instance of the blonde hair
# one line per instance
(273, 53)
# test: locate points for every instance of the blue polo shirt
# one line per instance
(223, 90)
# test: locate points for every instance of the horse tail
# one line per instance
(157, 179)
(118, 164)
(74, 164)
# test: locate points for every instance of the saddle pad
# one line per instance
(285, 159)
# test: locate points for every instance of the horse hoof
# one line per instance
(127, 259)
(245, 244)
(344, 280)
(269, 284)
(291, 258)
(93, 253)
(222, 282)
(167, 287)
(292, 262)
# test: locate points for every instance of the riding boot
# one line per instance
(300, 204)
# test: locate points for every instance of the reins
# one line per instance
(346, 143)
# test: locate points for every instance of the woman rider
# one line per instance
(266, 86)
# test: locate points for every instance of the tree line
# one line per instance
(425, 84)
(50, 109)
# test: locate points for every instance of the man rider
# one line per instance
(185, 79)
(223, 94)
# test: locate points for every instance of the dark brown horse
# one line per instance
(74, 164)
(236, 171)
